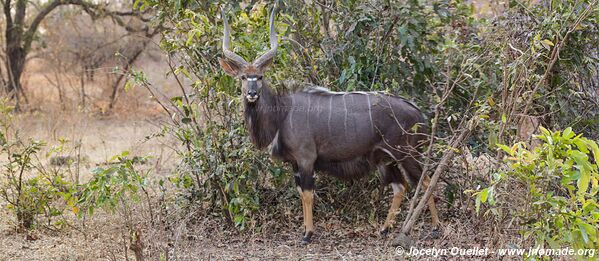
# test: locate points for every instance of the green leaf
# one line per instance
(477, 204)
(544, 131)
(594, 148)
(342, 77)
(567, 134)
(177, 99)
(589, 205)
(583, 182)
(239, 219)
(584, 231)
(581, 144)
(506, 149)
(484, 195)
(581, 158)
(547, 42)
(128, 85)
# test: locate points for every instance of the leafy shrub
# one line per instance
(30, 190)
(39, 195)
(570, 30)
(114, 187)
(560, 178)
(221, 167)
(548, 59)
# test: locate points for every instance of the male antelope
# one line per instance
(344, 134)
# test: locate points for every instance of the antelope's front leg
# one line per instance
(398, 193)
(305, 186)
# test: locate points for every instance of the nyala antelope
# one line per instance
(343, 134)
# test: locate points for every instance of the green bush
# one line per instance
(560, 178)
(220, 165)
(36, 195)
(113, 188)
(40, 195)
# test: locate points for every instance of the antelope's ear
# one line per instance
(231, 68)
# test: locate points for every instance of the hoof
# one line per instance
(384, 232)
(307, 238)
(436, 233)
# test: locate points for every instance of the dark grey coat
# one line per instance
(344, 134)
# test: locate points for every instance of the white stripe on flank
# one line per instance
(273, 143)
(370, 111)
(308, 111)
(291, 114)
(388, 152)
(345, 120)
(330, 112)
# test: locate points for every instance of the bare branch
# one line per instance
(443, 165)
(94, 10)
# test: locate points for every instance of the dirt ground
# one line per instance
(101, 240)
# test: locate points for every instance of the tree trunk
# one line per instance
(15, 62)
(15, 67)
(15, 55)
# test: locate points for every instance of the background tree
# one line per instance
(20, 34)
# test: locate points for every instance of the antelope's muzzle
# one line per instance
(252, 94)
(252, 97)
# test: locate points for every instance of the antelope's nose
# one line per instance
(252, 96)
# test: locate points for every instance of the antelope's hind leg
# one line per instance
(413, 167)
(432, 207)
(391, 175)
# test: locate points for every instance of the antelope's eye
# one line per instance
(260, 77)
(243, 77)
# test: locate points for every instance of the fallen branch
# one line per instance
(441, 168)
